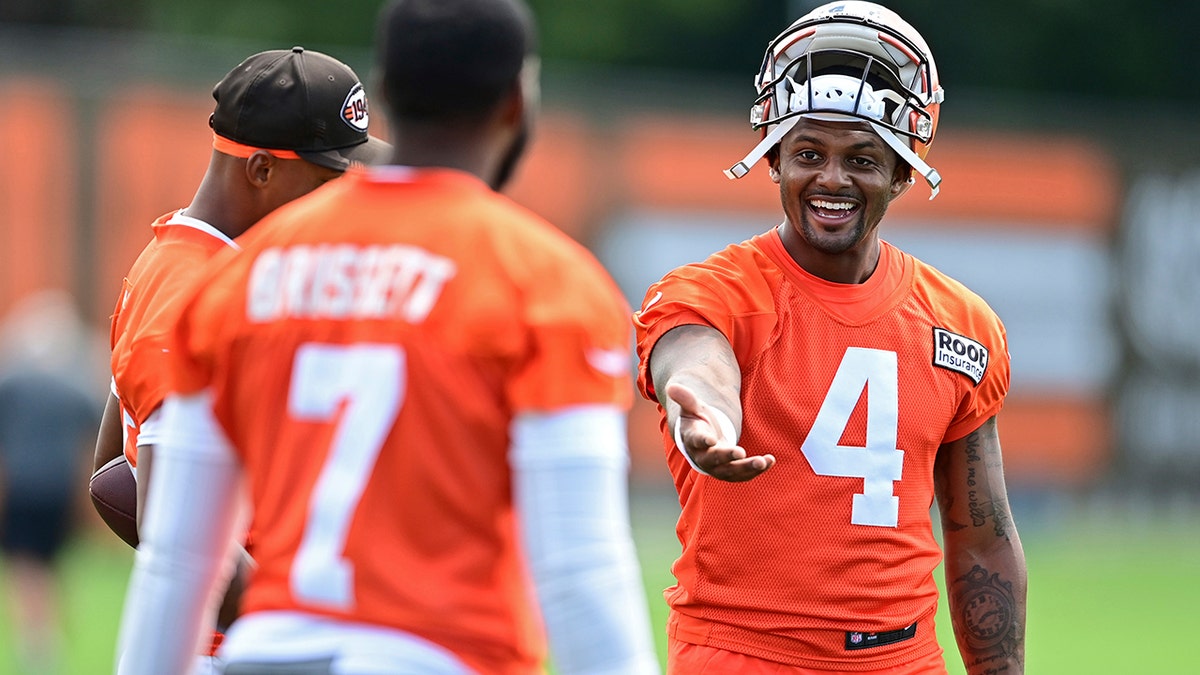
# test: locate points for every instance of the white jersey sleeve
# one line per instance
(570, 473)
(150, 432)
(187, 551)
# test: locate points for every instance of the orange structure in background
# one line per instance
(38, 189)
(152, 150)
(152, 144)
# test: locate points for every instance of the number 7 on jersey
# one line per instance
(370, 379)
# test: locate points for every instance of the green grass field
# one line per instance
(1107, 595)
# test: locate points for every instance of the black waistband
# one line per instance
(859, 640)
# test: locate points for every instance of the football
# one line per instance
(114, 494)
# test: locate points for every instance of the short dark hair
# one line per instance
(451, 60)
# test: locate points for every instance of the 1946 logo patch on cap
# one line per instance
(354, 110)
(960, 354)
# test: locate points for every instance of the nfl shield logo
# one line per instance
(855, 638)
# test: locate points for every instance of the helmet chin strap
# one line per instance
(928, 172)
(774, 136)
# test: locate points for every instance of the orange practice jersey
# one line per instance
(826, 561)
(367, 352)
(145, 314)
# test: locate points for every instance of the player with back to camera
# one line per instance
(285, 122)
(820, 388)
(419, 388)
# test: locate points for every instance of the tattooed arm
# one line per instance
(985, 564)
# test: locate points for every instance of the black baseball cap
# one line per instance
(298, 100)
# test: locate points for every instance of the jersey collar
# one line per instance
(179, 218)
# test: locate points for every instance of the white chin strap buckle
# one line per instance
(929, 173)
(769, 141)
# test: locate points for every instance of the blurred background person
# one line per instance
(47, 424)
(286, 121)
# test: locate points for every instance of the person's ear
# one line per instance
(259, 166)
(525, 96)
(902, 180)
(772, 158)
(513, 108)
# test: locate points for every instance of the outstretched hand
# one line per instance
(705, 443)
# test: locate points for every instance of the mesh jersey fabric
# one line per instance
(479, 311)
(145, 313)
(774, 567)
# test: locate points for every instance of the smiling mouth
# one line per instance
(833, 210)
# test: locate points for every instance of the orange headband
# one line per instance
(224, 145)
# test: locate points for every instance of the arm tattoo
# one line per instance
(725, 361)
(982, 509)
(987, 618)
(729, 360)
(948, 522)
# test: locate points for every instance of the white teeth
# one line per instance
(831, 206)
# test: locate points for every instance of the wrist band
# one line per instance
(725, 425)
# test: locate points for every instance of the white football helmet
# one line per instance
(850, 61)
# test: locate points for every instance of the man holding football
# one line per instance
(280, 130)
(820, 389)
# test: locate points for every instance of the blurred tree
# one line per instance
(282, 22)
(97, 13)
(1126, 49)
(701, 35)
(1118, 49)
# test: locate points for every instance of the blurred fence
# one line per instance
(1076, 221)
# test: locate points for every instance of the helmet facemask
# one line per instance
(849, 68)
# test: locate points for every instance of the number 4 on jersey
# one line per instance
(879, 463)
